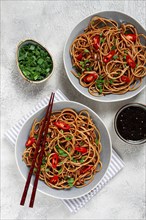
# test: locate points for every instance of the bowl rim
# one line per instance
(17, 62)
(110, 150)
(136, 104)
(68, 75)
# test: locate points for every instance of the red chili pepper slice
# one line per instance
(125, 79)
(131, 37)
(80, 56)
(86, 169)
(130, 61)
(107, 58)
(96, 40)
(30, 141)
(81, 149)
(90, 77)
(62, 125)
(54, 179)
(55, 159)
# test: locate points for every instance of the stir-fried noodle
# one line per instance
(109, 58)
(72, 151)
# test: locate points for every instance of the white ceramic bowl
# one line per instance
(105, 155)
(120, 18)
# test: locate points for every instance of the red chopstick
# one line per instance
(41, 141)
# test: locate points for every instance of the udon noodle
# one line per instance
(72, 150)
(109, 58)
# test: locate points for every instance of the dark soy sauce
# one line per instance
(131, 123)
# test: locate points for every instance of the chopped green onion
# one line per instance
(102, 40)
(44, 160)
(68, 138)
(96, 141)
(111, 81)
(86, 51)
(82, 159)
(82, 64)
(47, 169)
(87, 61)
(70, 181)
(61, 152)
(115, 57)
(113, 48)
(35, 136)
(89, 68)
(69, 149)
(79, 74)
(34, 62)
(74, 160)
(59, 171)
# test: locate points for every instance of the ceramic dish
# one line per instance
(33, 42)
(105, 154)
(130, 123)
(119, 18)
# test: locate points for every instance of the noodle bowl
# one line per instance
(72, 150)
(105, 154)
(108, 58)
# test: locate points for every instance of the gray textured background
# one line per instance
(50, 22)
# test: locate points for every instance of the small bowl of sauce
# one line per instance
(130, 123)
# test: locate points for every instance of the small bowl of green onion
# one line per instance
(34, 62)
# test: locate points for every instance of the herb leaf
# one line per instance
(113, 48)
(68, 138)
(70, 181)
(59, 171)
(96, 141)
(86, 51)
(102, 40)
(61, 152)
(115, 57)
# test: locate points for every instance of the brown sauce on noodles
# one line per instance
(109, 58)
(72, 151)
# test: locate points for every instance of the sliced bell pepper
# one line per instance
(131, 37)
(81, 149)
(30, 141)
(125, 79)
(96, 40)
(86, 169)
(54, 179)
(130, 61)
(62, 125)
(90, 77)
(80, 56)
(107, 58)
(55, 160)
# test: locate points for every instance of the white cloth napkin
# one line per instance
(115, 166)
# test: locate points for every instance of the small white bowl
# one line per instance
(121, 110)
(27, 41)
(105, 154)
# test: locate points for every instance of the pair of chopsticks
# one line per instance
(39, 145)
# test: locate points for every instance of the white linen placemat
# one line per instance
(116, 163)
